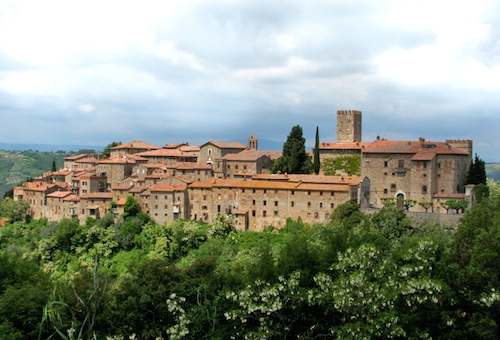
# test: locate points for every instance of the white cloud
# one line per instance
(86, 108)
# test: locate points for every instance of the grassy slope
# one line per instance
(493, 171)
(16, 167)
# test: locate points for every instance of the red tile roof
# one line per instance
(341, 146)
(245, 156)
(412, 147)
(97, 195)
(174, 145)
(75, 157)
(59, 194)
(165, 187)
(136, 144)
(226, 145)
(277, 185)
(174, 153)
(71, 198)
(117, 160)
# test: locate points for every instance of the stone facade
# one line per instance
(349, 126)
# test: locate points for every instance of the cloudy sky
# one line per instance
(89, 72)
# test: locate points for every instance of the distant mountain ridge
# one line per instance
(493, 171)
(48, 147)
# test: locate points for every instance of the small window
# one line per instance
(244, 167)
(253, 191)
(265, 191)
(293, 192)
(425, 165)
(253, 213)
(309, 193)
(424, 189)
(321, 204)
(236, 167)
(275, 203)
(309, 204)
(292, 204)
(218, 208)
(264, 213)
(264, 203)
(253, 202)
(393, 187)
(386, 164)
(276, 213)
(332, 193)
(386, 191)
(332, 205)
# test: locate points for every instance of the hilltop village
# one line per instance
(183, 181)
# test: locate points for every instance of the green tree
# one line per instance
(316, 160)
(54, 167)
(107, 149)
(295, 159)
(477, 172)
(132, 208)
(14, 210)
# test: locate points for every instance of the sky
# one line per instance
(91, 72)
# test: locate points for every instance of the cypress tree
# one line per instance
(54, 168)
(316, 160)
(477, 172)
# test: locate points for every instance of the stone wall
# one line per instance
(349, 126)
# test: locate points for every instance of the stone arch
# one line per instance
(400, 198)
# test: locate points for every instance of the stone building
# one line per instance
(213, 150)
(415, 171)
(256, 204)
(95, 205)
(69, 161)
(115, 169)
(131, 148)
(169, 156)
(242, 164)
(166, 202)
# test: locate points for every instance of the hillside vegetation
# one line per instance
(356, 277)
(493, 171)
(16, 167)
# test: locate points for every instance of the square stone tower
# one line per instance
(348, 126)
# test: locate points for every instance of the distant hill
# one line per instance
(48, 147)
(16, 167)
(493, 171)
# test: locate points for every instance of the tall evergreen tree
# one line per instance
(54, 168)
(477, 172)
(107, 149)
(316, 160)
(294, 159)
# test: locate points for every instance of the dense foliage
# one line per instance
(294, 159)
(477, 172)
(358, 277)
(343, 165)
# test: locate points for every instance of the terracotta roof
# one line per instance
(449, 195)
(75, 157)
(97, 195)
(190, 148)
(154, 165)
(138, 189)
(166, 153)
(136, 144)
(117, 160)
(165, 187)
(340, 146)
(277, 185)
(61, 172)
(37, 186)
(91, 160)
(245, 155)
(319, 179)
(121, 201)
(174, 145)
(412, 147)
(122, 186)
(424, 156)
(71, 198)
(59, 194)
(189, 166)
(226, 145)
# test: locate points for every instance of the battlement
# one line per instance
(464, 144)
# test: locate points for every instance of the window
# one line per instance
(386, 164)
(425, 165)
(316, 215)
(244, 167)
(275, 203)
(236, 167)
(393, 187)
(253, 191)
(401, 163)
(253, 213)
(292, 204)
(229, 166)
(276, 213)
(321, 204)
(308, 204)
(265, 191)
(204, 197)
(156, 197)
(293, 192)
(424, 189)
(321, 193)
(332, 205)
(332, 194)
(309, 193)
(264, 203)
(386, 191)
(218, 208)
(439, 165)
(242, 190)
(264, 213)
(253, 202)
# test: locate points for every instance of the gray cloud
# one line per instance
(226, 69)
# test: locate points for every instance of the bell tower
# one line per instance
(253, 143)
